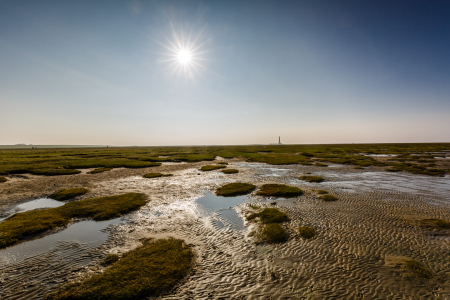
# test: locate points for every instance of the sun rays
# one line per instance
(184, 54)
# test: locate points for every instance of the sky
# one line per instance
(108, 72)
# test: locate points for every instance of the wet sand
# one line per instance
(360, 239)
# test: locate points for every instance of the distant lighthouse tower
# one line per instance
(279, 140)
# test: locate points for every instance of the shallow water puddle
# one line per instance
(409, 183)
(33, 204)
(267, 169)
(39, 203)
(89, 233)
(211, 204)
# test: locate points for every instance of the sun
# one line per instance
(184, 56)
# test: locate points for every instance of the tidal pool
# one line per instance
(31, 205)
(89, 233)
(211, 204)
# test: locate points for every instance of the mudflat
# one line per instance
(374, 241)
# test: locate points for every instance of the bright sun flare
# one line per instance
(184, 56)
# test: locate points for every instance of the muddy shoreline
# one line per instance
(360, 237)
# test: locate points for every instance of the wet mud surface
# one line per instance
(360, 238)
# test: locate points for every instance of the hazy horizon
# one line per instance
(312, 72)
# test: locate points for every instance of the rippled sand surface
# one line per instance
(361, 238)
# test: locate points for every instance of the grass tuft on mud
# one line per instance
(100, 170)
(321, 165)
(55, 172)
(30, 223)
(211, 168)
(3, 179)
(434, 224)
(67, 194)
(416, 268)
(235, 189)
(279, 190)
(322, 192)
(312, 178)
(273, 233)
(306, 232)
(147, 271)
(230, 171)
(110, 259)
(269, 215)
(156, 175)
(328, 198)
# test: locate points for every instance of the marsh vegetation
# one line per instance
(235, 189)
(270, 231)
(211, 168)
(412, 158)
(147, 271)
(68, 194)
(434, 224)
(230, 171)
(269, 215)
(306, 232)
(328, 197)
(414, 268)
(273, 233)
(156, 175)
(312, 178)
(279, 190)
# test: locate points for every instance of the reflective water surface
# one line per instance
(33, 204)
(222, 207)
(89, 233)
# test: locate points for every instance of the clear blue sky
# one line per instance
(95, 72)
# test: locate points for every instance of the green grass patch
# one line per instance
(155, 175)
(54, 161)
(312, 178)
(211, 168)
(414, 169)
(195, 157)
(434, 224)
(230, 171)
(321, 165)
(307, 154)
(322, 192)
(150, 270)
(109, 260)
(67, 194)
(269, 215)
(416, 268)
(275, 159)
(112, 163)
(306, 232)
(54, 172)
(328, 198)
(223, 163)
(235, 189)
(3, 179)
(100, 170)
(279, 190)
(273, 233)
(30, 223)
